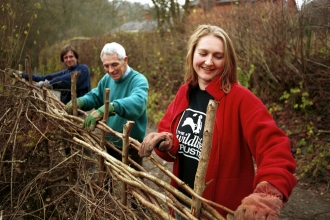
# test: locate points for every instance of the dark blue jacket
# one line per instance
(61, 81)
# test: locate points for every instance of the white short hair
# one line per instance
(111, 48)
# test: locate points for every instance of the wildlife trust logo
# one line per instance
(190, 133)
(195, 127)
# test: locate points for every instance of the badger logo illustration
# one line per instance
(196, 128)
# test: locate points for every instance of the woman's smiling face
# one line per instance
(208, 60)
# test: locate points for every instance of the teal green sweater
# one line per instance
(129, 96)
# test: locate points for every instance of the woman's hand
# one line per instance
(162, 141)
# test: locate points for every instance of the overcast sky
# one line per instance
(299, 2)
(150, 2)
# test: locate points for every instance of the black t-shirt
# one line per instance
(190, 135)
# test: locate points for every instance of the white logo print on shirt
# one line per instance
(189, 133)
(196, 128)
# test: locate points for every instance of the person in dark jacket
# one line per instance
(61, 80)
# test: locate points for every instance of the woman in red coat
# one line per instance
(244, 132)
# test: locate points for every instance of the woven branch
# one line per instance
(49, 166)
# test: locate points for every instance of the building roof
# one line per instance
(137, 26)
(193, 2)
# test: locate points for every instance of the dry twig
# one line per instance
(35, 167)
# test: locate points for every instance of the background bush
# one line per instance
(283, 57)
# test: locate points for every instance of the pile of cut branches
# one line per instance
(51, 168)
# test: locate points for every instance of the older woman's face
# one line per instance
(208, 59)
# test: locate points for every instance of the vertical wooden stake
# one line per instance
(3, 78)
(44, 94)
(126, 133)
(28, 67)
(199, 185)
(72, 174)
(103, 133)
(74, 78)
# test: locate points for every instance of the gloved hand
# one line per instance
(68, 106)
(264, 203)
(10, 72)
(44, 83)
(162, 141)
(96, 116)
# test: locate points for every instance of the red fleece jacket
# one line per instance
(243, 129)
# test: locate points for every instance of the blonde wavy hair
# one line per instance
(229, 74)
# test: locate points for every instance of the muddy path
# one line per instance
(308, 202)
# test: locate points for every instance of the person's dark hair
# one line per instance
(66, 49)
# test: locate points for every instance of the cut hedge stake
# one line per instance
(199, 185)
(126, 134)
(28, 67)
(103, 134)
(74, 77)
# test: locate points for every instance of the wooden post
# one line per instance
(126, 134)
(28, 68)
(44, 94)
(199, 185)
(3, 78)
(103, 133)
(74, 78)
(72, 173)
